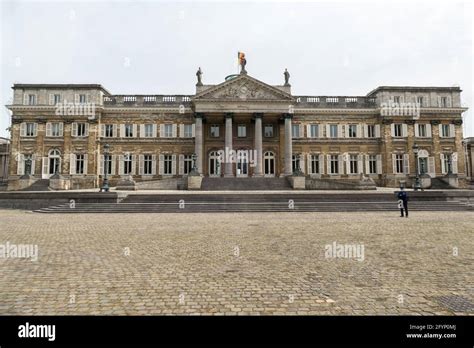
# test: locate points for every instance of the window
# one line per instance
(129, 131)
(215, 131)
(56, 129)
(30, 129)
(352, 131)
(188, 130)
(127, 164)
(370, 131)
(57, 99)
(372, 164)
(314, 131)
(334, 164)
(419, 101)
(396, 99)
(241, 131)
(314, 164)
(295, 130)
(268, 130)
(31, 99)
(108, 164)
(422, 130)
(399, 164)
(168, 165)
(148, 128)
(147, 164)
(79, 164)
(353, 167)
(445, 131)
(295, 163)
(333, 131)
(444, 102)
(397, 130)
(81, 130)
(447, 163)
(188, 164)
(109, 130)
(82, 98)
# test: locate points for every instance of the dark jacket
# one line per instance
(403, 196)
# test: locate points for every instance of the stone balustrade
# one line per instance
(146, 100)
(334, 102)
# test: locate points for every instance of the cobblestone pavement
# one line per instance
(238, 264)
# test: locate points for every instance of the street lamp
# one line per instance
(450, 164)
(194, 158)
(417, 185)
(105, 183)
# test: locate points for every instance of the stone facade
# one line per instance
(63, 129)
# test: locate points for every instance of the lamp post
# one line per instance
(105, 183)
(450, 164)
(194, 170)
(417, 185)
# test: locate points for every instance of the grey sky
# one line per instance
(155, 47)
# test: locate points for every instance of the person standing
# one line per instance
(403, 201)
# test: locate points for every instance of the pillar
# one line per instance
(288, 144)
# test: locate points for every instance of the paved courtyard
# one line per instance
(237, 264)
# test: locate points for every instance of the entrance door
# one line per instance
(51, 164)
(269, 163)
(242, 167)
(214, 164)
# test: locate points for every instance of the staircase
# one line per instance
(214, 203)
(440, 184)
(38, 185)
(245, 184)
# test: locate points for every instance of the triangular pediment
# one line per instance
(241, 88)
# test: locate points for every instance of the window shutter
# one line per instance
(121, 164)
(377, 131)
(142, 131)
(392, 129)
(404, 130)
(154, 130)
(406, 163)
(360, 164)
(20, 161)
(181, 130)
(181, 165)
(173, 163)
(101, 164)
(134, 164)
(102, 130)
(175, 130)
(161, 164)
(346, 130)
(443, 167)
(35, 129)
(134, 130)
(86, 162)
(328, 163)
(153, 164)
(416, 127)
(48, 129)
(141, 165)
(431, 167)
(440, 130)
(61, 128)
(72, 163)
(394, 163)
(359, 131)
(25, 98)
(33, 164)
(321, 164)
(302, 167)
(301, 131)
(115, 131)
(308, 164)
(74, 129)
(23, 129)
(367, 164)
(366, 131)
(114, 161)
(76, 98)
(428, 130)
(379, 164)
(340, 163)
(454, 161)
(194, 130)
(452, 131)
(328, 131)
(45, 166)
(347, 164)
(308, 131)
(122, 131)
(51, 99)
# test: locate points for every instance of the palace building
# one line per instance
(61, 129)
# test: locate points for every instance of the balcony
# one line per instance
(147, 100)
(335, 102)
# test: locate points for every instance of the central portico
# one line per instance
(243, 114)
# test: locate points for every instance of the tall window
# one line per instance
(333, 130)
(397, 130)
(268, 130)
(314, 164)
(372, 164)
(108, 164)
(127, 164)
(147, 164)
(168, 130)
(57, 98)
(396, 99)
(31, 99)
(80, 164)
(188, 130)
(295, 130)
(353, 164)
(129, 131)
(188, 163)
(241, 131)
(370, 131)
(81, 130)
(314, 129)
(422, 130)
(444, 102)
(419, 101)
(148, 130)
(352, 131)
(334, 164)
(30, 129)
(82, 98)
(295, 163)
(215, 131)
(168, 165)
(109, 130)
(399, 164)
(445, 130)
(55, 129)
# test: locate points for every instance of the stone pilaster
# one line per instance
(198, 141)
(288, 144)
(258, 145)
(228, 144)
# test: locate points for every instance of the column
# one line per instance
(198, 141)
(258, 145)
(288, 144)
(228, 144)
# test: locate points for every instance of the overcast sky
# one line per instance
(155, 47)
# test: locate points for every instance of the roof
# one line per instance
(414, 89)
(59, 86)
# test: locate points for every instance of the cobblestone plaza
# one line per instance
(238, 264)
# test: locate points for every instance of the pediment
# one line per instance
(243, 88)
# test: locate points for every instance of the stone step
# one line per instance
(244, 184)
